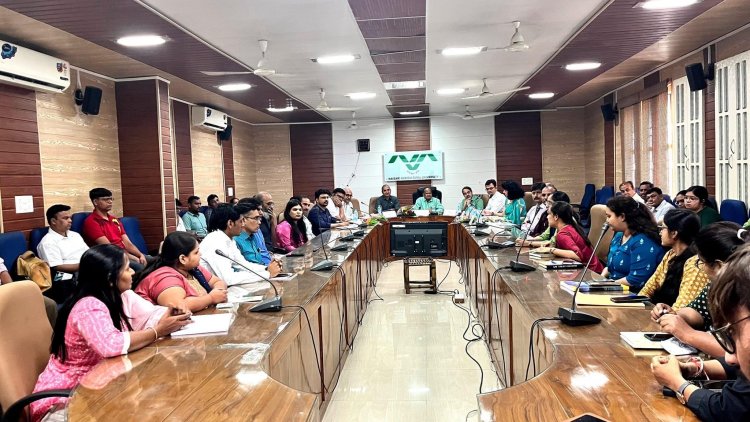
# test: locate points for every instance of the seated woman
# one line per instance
(729, 304)
(428, 202)
(696, 200)
(103, 318)
(677, 279)
(176, 276)
(572, 243)
(548, 236)
(292, 232)
(515, 209)
(690, 324)
(636, 250)
(679, 199)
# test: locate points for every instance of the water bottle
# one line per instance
(380, 209)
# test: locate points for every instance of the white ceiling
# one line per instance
(298, 30)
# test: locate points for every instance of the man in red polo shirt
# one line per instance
(101, 227)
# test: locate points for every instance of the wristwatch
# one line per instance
(681, 391)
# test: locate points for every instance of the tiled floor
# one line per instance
(408, 362)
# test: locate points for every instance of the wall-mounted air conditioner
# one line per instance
(27, 68)
(209, 118)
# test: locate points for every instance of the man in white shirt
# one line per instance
(62, 250)
(336, 205)
(496, 204)
(627, 188)
(657, 204)
(534, 214)
(306, 206)
(226, 223)
(351, 211)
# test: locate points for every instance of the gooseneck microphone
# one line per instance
(570, 316)
(518, 266)
(268, 305)
(326, 264)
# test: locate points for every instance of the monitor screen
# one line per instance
(419, 239)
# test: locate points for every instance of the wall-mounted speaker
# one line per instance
(226, 134)
(609, 112)
(697, 77)
(89, 100)
(363, 145)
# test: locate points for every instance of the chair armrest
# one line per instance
(16, 409)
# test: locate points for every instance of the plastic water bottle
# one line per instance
(380, 209)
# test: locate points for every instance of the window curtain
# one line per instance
(645, 150)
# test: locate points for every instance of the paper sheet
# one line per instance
(636, 340)
(206, 324)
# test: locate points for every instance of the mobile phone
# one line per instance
(629, 299)
(657, 336)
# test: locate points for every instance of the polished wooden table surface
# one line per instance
(267, 368)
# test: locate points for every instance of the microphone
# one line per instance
(268, 305)
(341, 246)
(491, 244)
(570, 316)
(518, 266)
(326, 264)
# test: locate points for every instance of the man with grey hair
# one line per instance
(268, 224)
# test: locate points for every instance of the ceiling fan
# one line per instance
(517, 41)
(353, 125)
(260, 68)
(486, 93)
(468, 115)
(323, 105)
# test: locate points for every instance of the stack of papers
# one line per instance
(206, 324)
(638, 341)
(589, 299)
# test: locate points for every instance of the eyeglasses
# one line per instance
(691, 198)
(258, 218)
(723, 336)
(348, 195)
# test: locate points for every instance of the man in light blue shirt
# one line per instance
(471, 205)
(251, 241)
(194, 219)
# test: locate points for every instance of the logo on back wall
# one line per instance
(413, 163)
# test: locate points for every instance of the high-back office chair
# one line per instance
(77, 225)
(373, 205)
(35, 237)
(605, 193)
(12, 245)
(420, 192)
(712, 203)
(586, 201)
(133, 229)
(598, 217)
(529, 199)
(485, 199)
(24, 347)
(734, 210)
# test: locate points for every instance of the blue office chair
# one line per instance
(733, 210)
(586, 201)
(133, 229)
(12, 245)
(605, 193)
(35, 237)
(668, 199)
(712, 203)
(182, 212)
(78, 221)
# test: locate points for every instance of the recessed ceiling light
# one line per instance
(541, 95)
(404, 85)
(344, 58)
(141, 40)
(461, 51)
(361, 95)
(234, 87)
(450, 91)
(281, 110)
(410, 113)
(666, 4)
(582, 66)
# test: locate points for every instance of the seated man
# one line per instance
(470, 205)
(49, 305)
(536, 217)
(180, 225)
(306, 206)
(351, 208)
(336, 205)
(213, 203)
(319, 216)
(657, 204)
(428, 202)
(194, 219)
(497, 202)
(251, 241)
(101, 227)
(627, 188)
(386, 202)
(268, 223)
(62, 250)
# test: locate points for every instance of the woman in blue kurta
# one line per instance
(636, 249)
(515, 209)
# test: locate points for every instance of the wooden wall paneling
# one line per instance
(312, 158)
(21, 168)
(709, 127)
(183, 150)
(141, 156)
(609, 154)
(79, 152)
(564, 149)
(245, 180)
(411, 135)
(273, 162)
(208, 164)
(228, 157)
(168, 179)
(518, 146)
(594, 144)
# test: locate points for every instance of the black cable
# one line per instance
(531, 344)
(499, 333)
(450, 263)
(315, 348)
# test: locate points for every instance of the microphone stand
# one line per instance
(326, 264)
(518, 266)
(268, 305)
(571, 316)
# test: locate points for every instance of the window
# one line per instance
(687, 134)
(644, 141)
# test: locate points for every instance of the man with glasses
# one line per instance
(657, 204)
(351, 205)
(536, 217)
(319, 216)
(247, 241)
(496, 204)
(336, 205)
(101, 227)
(730, 309)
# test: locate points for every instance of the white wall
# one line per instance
(469, 152)
(368, 176)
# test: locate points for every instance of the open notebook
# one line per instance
(206, 324)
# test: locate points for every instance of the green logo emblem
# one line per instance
(413, 163)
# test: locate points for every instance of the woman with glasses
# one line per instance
(635, 250)
(292, 232)
(729, 304)
(696, 200)
(714, 245)
(677, 279)
(679, 199)
(176, 276)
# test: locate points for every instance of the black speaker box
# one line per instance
(226, 134)
(696, 77)
(92, 99)
(363, 145)
(609, 112)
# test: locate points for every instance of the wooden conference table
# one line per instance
(266, 367)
